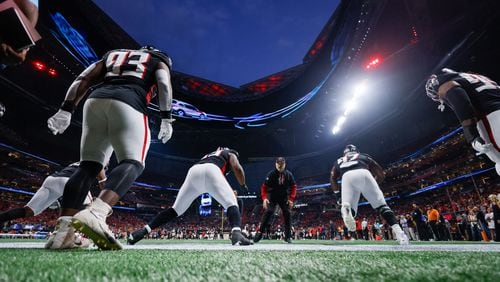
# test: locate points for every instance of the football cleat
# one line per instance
(237, 239)
(95, 227)
(288, 240)
(258, 237)
(81, 242)
(63, 236)
(136, 236)
(402, 238)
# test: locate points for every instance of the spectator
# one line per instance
(420, 223)
(433, 217)
(490, 223)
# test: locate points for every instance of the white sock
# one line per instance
(102, 208)
(397, 229)
(65, 218)
(235, 228)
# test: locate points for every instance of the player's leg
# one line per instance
(188, 192)
(14, 213)
(351, 183)
(96, 149)
(52, 189)
(264, 222)
(371, 191)
(489, 130)
(283, 203)
(219, 188)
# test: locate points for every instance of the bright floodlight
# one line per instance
(349, 106)
(341, 120)
(335, 129)
(360, 89)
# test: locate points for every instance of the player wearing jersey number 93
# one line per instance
(115, 119)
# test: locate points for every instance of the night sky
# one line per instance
(229, 41)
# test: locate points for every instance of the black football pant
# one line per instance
(283, 203)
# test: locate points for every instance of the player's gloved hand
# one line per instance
(59, 122)
(265, 203)
(290, 204)
(481, 146)
(244, 189)
(165, 130)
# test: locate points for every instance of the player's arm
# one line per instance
(333, 179)
(377, 170)
(92, 75)
(293, 192)
(457, 98)
(239, 173)
(165, 94)
(459, 101)
(293, 189)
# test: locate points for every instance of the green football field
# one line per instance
(219, 261)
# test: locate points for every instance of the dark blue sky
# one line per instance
(229, 41)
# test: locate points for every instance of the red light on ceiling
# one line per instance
(52, 72)
(373, 63)
(39, 65)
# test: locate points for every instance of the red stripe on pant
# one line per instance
(145, 141)
(490, 133)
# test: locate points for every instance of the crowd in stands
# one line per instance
(457, 211)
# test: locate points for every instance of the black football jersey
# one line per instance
(67, 171)
(353, 161)
(133, 73)
(220, 158)
(483, 93)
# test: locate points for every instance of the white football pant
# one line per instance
(360, 181)
(204, 178)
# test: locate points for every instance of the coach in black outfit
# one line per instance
(279, 188)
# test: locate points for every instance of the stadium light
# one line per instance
(38, 65)
(350, 106)
(341, 120)
(360, 89)
(52, 72)
(373, 63)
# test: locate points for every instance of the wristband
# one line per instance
(166, 114)
(470, 133)
(68, 106)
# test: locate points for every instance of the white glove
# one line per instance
(59, 122)
(480, 146)
(265, 203)
(165, 130)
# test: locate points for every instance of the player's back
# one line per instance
(129, 77)
(483, 92)
(353, 161)
(125, 66)
(219, 157)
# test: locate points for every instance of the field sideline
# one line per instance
(196, 260)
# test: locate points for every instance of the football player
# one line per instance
(52, 189)
(475, 99)
(205, 177)
(114, 119)
(357, 171)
